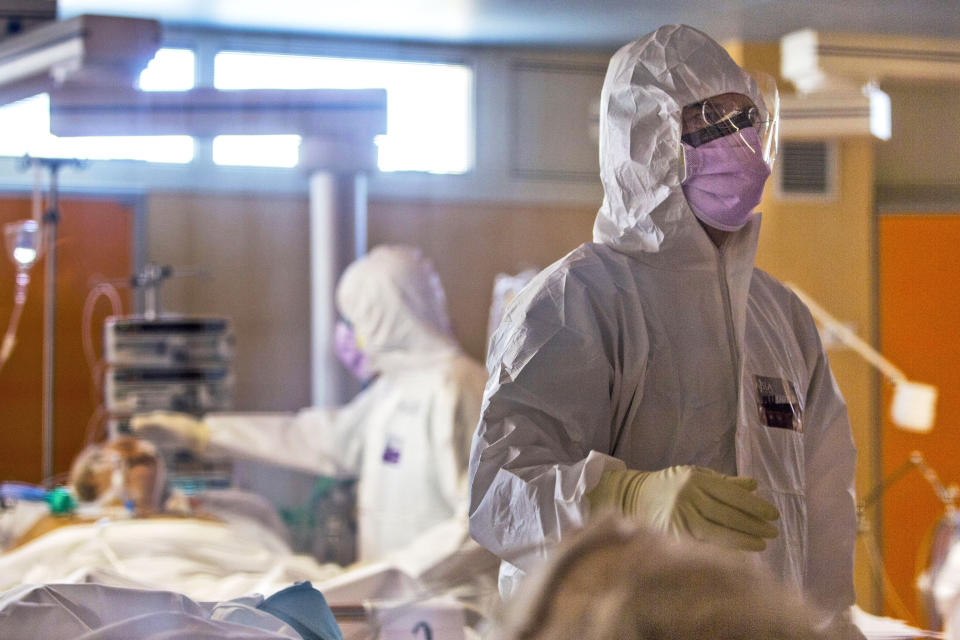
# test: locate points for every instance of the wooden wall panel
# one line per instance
(252, 256)
(470, 243)
(255, 255)
(95, 240)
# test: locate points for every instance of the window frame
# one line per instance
(490, 178)
(261, 47)
(206, 44)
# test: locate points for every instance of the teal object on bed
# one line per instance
(306, 610)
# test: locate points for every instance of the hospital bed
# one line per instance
(234, 552)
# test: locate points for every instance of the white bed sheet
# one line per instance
(202, 559)
(216, 561)
(99, 612)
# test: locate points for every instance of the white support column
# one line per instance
(338, 236)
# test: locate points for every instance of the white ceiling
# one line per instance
(597, 24)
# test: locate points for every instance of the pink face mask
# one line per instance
(350, 355)
(724, 179)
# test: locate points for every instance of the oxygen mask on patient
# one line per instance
(125, 476)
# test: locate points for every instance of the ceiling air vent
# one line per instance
(806, 169)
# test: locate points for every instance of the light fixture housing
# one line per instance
(914, 406)
(88, 50)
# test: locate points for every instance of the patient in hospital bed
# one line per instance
(132, 532)
(123, 477)
(126, 477)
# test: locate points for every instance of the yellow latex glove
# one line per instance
(181, 427)
(686, 500)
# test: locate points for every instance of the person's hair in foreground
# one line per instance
(619, 580)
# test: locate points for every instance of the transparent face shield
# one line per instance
(732, 122)
(770, 115)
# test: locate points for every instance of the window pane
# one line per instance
(428, 104)
(257, 151)
(170, 70)
(26, 127)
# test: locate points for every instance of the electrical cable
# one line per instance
(947, 495)
(96, 365)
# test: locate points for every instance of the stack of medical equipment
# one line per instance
(168, 362)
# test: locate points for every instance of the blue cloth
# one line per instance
(306, 610)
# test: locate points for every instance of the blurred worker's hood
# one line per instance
(394, 300)
(648, 82)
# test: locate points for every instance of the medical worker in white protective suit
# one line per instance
(655, 371)
(407, 435)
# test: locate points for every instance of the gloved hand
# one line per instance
(179, 427)
(700, 502)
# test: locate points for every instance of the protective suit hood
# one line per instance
(648, 83)
(396, 304)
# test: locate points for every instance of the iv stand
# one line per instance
(51, 218)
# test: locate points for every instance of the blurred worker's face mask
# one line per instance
(347, 348)
(723, 157)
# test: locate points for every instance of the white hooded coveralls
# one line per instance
(407, 435)
(651, 347)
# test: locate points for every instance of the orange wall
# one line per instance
(919, 325)
(95, 240)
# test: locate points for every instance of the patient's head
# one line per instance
(125, 469)
(617, 580)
